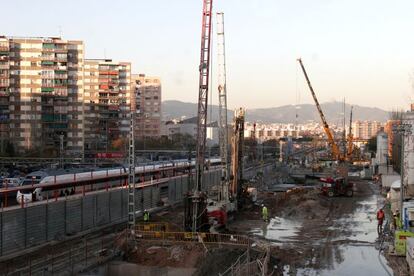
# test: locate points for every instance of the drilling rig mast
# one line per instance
(196, 202)
(237, 156)
(222, 91)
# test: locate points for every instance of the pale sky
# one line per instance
(362, 50)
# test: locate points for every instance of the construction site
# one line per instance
(311, 208)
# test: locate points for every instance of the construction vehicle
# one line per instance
(218, 208)
(195, 215)
(334, 147)
(236, 189)
(340, 185)
(337, 187)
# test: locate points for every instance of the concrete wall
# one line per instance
(22, 228)
(408, 154)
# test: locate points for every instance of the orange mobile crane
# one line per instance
(334, 147)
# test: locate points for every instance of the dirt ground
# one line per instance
(309, 234)
(329, 233)
(180, 255)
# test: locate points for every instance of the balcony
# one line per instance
(48, 85)
(61, 49)
(111, 73)
(61, 92)
(61, 76)
(48, 57)
(4, 66)
(54, 118)
(58, 126)
(62, 59)
(113, 107)
(47, 63)
(4, 48)
(47, 89)
(60, 83)
(4, 83)
(4, 93)
(4, 117)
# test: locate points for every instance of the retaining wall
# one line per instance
(23, 228)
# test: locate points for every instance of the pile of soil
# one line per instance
(303, 204)
(182, 255)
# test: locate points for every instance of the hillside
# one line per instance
(281, 114)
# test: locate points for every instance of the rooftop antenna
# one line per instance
(60, 31)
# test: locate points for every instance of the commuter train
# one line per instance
(57, 183)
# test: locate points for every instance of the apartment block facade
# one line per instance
(365, 129)
(146, 105)
(41, 93)
(107, 102)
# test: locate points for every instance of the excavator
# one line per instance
(339, 185)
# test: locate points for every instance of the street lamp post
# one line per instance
(404, 130)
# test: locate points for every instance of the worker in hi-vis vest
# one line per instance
(265, 214)
(146, 216)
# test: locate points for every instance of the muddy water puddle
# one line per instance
(361, 225)
(346, 248)
(279, 230)
(350, 260)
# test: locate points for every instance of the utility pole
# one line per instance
(404, 130)
(131, 177)
(237, 156)
(222, 90)
(61, 151)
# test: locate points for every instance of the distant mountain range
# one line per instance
(283, 114)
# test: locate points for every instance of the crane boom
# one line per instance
(334, 147)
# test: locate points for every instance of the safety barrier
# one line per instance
(153, 227)
(205, 238)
